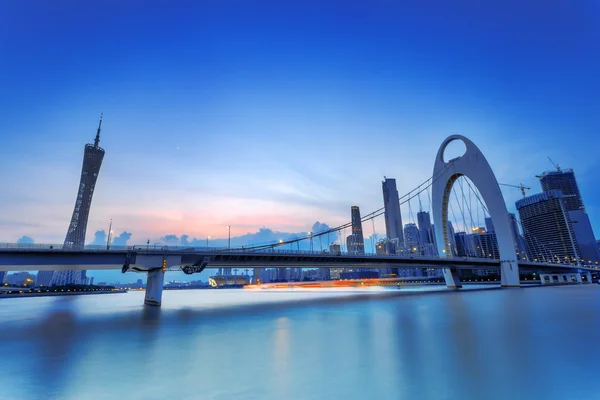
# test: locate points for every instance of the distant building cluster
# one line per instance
(552, 226)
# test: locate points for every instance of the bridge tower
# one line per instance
(474, 166)
(93, 155)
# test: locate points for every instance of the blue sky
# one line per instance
(280, 114)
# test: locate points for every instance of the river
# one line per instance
(529, 343)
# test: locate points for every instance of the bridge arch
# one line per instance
(474, 166)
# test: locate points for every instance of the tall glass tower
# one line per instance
(93, 155)
(547, 227)
(356, 242)
(565, 181)
(393, 218)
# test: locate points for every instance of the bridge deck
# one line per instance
(143, 259)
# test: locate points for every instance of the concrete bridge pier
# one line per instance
(509, 274)
(154, 287)
(451, 278)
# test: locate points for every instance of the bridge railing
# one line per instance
(60, 247)
(270, 251)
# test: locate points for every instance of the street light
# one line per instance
(109, 235)
(311, 244)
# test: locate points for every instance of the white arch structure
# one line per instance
(473, 165)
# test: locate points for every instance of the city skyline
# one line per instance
(192, 154)
(299, 199)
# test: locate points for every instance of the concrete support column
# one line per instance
(578, 276)
(509, 274)
(154, 287)
(451, 278)
(589, 277)
(543, 278)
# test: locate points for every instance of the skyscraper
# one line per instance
(411, 237)
(485, 243)
(425, 230)
(93, 155)
(464, 245)
(566, 182)
(393, 218)
(426, 234)
(356, 242)
(547, 227)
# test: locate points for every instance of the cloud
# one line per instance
(99, 238)
(122, 239)
(25, 240)
(170, 239)
(263, 236)
(184, 240)
(320, 227)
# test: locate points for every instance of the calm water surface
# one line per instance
(534, 343)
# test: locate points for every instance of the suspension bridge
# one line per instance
(465, 183)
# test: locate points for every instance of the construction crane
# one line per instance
(523, 188)
(555, 164)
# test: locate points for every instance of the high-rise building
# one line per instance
(93, 155)
(485, 244)
(464, 245)
(385, 247)
(411, 237)
(426, 234)
(356, 242)
(566, 182)
(2, 275)
(44, 278)
(393, 218)
(584, 236)
(547, 227)
(425, 228)
(582, 228)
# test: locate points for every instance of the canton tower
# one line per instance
(93, 155)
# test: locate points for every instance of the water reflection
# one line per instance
(224, 345)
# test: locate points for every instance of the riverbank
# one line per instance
(40, 293)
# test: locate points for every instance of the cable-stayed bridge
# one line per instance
(441, 253)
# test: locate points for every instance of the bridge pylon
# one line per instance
(474, 166)
(452, 279)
